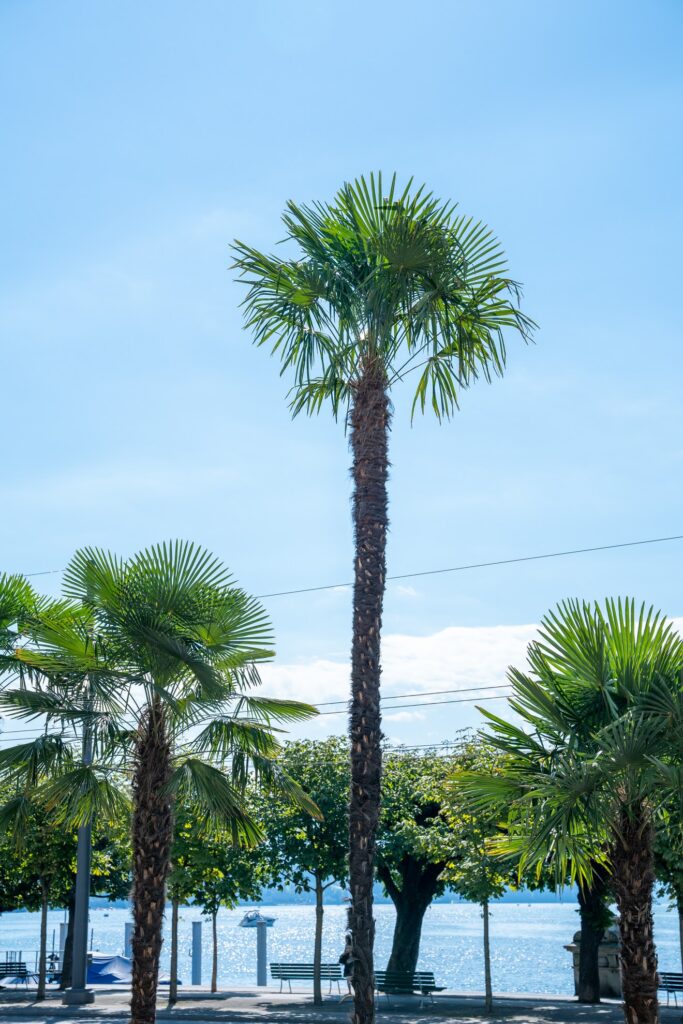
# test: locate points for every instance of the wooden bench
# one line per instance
(402, 983)
(15, 970)
(670, 982)
(304, 972)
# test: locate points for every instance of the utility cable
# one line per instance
(453, 568)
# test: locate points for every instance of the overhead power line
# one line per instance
(485, 565)
(452, 568)
(421, 693)
(341, 711)
(426, 704)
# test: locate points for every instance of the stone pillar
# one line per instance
(608, 962)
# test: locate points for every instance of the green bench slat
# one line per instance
(671, 981)
(295, 972)
(401, 981)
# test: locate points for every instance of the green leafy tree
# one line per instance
(415, 843)
(309, 852)
(599, 747)
(668, 854)
(497, 757)
(110, 876)
(213, 871)
(43, 855)
(143, 651)
(473, 871)
(383, 282)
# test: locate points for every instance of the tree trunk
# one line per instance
(592, 913)
(405, 947)
(633, 881)
(173, 985)
(488, 988)
(67, 957)
(419, 885)
(152, 834)
(318, 944)
(42, 954)
(214, 957)
(369, 440)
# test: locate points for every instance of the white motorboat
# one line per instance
(253, 918)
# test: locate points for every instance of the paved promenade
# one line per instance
(260, 1006)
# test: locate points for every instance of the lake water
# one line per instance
(526, 940)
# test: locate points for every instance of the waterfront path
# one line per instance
(260, 1006)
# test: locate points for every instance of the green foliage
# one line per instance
(169, 627)
(302, 847)
(36, 849)
(473, 871)
(601, 711)
(209, 868)
(382, 275)
(412, 825)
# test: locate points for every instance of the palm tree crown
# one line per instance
(385, 277)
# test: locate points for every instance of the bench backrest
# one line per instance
(671, 980)
(304, 972)
(404, 979)
(12, 969)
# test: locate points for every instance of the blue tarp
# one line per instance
(109, 970)
(114, 970)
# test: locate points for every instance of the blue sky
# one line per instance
(140, 139)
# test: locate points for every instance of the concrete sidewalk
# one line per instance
(248, 1005)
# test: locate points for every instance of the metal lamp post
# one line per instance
(79, 994)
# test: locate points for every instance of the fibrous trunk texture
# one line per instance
(152, 834)
(369, 442)
(592, 912)
(318, 944)
(633, 882)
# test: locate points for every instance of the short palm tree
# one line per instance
(383, 283)
(597, 750)
(155, 656)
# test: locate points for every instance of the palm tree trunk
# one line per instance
(173, 984)
(318, 943)
(214, 961)
(488, 987)
(42, 955)
(633, 881)
(370, 419)
(592, 912)
(152, 834)
(679, 908)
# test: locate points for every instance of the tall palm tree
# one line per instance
(383, 283)
(156, 657)
(598, 749)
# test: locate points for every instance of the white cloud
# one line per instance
(454, 658)
(405, 590)
(404, 716)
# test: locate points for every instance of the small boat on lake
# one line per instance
(252, 918)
